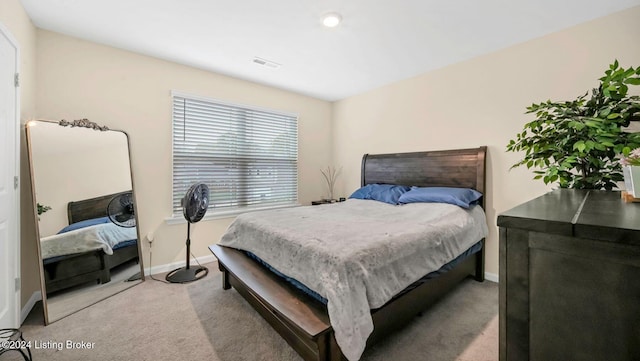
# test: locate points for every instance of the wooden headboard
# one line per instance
(464, 168)
(89, 208)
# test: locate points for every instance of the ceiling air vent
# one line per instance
(267, 63)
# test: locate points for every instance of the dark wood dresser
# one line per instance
(570, 278)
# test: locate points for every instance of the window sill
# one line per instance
(213, 215)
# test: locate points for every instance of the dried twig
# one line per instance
(330, 175)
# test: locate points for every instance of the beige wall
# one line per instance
(481, 102)
(15, 19)
(72, 164)
(78, 79)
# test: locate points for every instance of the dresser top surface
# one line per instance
(585, 213)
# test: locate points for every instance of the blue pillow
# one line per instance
(463, 197)
(387, 193)
(362, 192)
(85, 223)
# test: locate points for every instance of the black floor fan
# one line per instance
(194, 205)
(121, 211)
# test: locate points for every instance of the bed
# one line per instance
(304, 321)
(65, 271)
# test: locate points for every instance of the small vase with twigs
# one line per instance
(330, 175)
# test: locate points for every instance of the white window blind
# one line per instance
(248, 157)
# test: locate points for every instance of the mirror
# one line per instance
(83, 193)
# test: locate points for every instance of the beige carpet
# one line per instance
(200, 321)
(70, 300)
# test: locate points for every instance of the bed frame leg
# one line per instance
(225, 277)
(479, 275)
(225, 281)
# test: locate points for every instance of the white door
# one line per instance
(9, 170)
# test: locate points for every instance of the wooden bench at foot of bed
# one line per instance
(74, 270)
(304, 323)
(80, 268)
(300, 320)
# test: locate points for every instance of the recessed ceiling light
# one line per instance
(331, 20)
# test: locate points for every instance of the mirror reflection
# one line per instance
(83, 191)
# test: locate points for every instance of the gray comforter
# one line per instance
(357, 254)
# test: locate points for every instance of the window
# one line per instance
(247, 156)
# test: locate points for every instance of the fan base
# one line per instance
(135, 277)
(185, 275)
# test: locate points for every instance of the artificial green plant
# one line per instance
(42, 208)
(579, 143)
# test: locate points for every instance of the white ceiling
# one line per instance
(378, 42)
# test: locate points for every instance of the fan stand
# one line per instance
(187, 274)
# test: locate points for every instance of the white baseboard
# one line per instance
(491, 277)
(35, 297)
(171, 266)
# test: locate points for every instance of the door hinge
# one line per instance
(16, 182)
(18, 284)
(16, 80)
